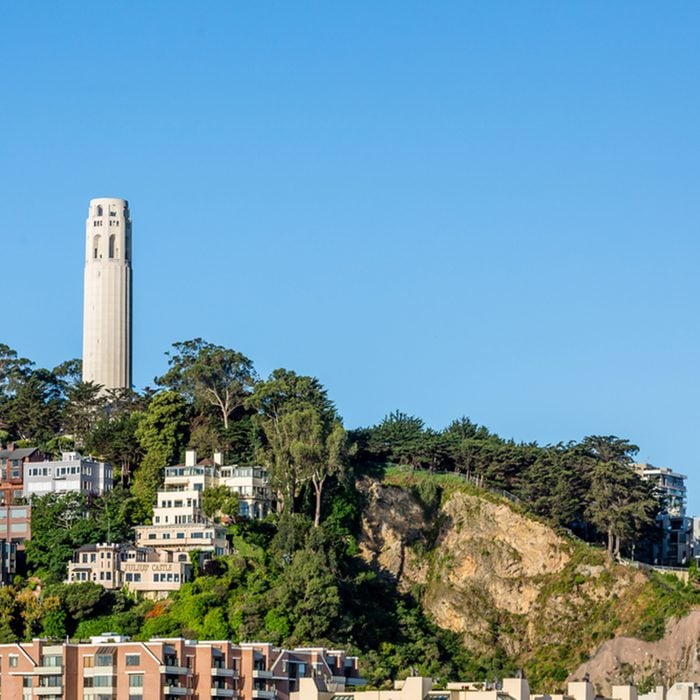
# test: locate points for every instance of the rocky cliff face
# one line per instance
(624, 659)
(504, 581)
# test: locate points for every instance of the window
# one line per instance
(133, 659)
(96, 246)
(99, 210)
(103, 681)
(13, 661)
(53, 660)
(103, 660)
(111, 245)
(136, 680)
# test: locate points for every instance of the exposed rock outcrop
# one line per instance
(503, 580)
(629, 660)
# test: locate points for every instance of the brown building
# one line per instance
(111, 667)
(15, 524)
(12, 464)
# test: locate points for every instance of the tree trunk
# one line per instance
(318, 487)
(611, 542)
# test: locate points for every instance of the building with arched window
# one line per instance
(107, 297)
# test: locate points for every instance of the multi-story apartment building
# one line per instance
(112, 667)
(178, 521)
(13, 462)
(15, 523)
(669, 486)
(253, 488)
(676, 543)
(142, 570)
(72, 473)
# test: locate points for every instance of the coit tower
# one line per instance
(107, 296)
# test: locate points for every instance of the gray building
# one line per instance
(72, 473)
(675, 546)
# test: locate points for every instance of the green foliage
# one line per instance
(303, 439)
(218, 501)
(210, 375)
(666, 597)
(63, 522)
(162, 433)
(297, 578)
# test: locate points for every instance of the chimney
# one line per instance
(219, 458)
(190, 458)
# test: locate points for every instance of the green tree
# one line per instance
(397, 438)
(219, 500)
(621, 504)
(54, 524)
(316, 448)
(304, 440)
(84, 407)
(162, 434)
(114, 439)
(210, 374)
(33, 411)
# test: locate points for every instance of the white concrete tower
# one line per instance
(107, 296)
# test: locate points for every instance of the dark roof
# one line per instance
(19, 453)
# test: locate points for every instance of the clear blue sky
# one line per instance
(487, 209)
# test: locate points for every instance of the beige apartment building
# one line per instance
(149, 572)
(112, 667)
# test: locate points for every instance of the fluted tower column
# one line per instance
(107, 296)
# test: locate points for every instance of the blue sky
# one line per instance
(486, 209)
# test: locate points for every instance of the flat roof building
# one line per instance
(112, 666)
(73, 473)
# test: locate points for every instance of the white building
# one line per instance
(107, 294)
(669, 486)
(72, 473)
(252, 486)
(178, 520)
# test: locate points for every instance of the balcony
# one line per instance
(265, 694)
(91, 671)
(261, 673)
(223, 693)
(224, 672)
(48, 670)
(176, 690)
(174, 670)
(48, 690)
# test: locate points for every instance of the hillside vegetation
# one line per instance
(392, 541)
